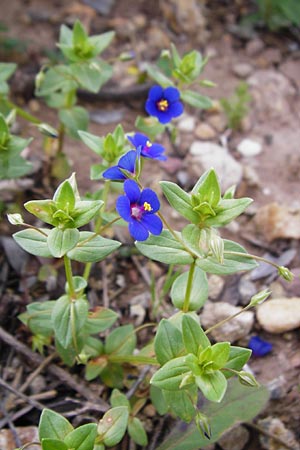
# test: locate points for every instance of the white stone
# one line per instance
(210, 155)
(249, 147)
(279, 315)
(233, 330)
(242, 70)
(187, 124)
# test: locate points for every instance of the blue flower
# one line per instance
(164, 103)
(146, 147)
(259, 347)
(139, 208)
(126, 162)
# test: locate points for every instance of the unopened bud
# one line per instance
(15, 219)
(39, 79)
(203, 425)
(216, 245)
(187, 380)
(47, 130)
(247, 379)
(285, 273)
(259, 298)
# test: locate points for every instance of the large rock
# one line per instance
(233, 330)
(208, 155)
(279, 315)
(277, 221)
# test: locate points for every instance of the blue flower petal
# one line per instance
(259, 347)
(132, 191)
(155, 93)
(171, 94)
(127, 161)
(176, 109)
(138, 139)
(155, 152)
(164, 116)
(123, 207)
(138, 231)
(113, 173)
(153, 223)
(150, 197)
(151, 108)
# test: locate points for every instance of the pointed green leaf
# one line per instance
(238, 357)
(158, 76)
(100, 319)
(95, 143)
(34, 241)
(53, 444)
(193, 335)
(168, 342)
(182, 402)
(117, 398)
(220, 354)
(121, 341)
(170, 375)
(137, 431)
(83, 438)
(92, 248)
(61, 241)
(53, 426)
(213, 385)
(179, 200)
(85, 211)
(42, 209)
(38, 317)
(165, 248)
(227, 210)
(64, 197)
(101, 41)
(74, 119)
(196, 100)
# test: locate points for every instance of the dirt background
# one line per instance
(269, 62)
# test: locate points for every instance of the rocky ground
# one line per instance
(262, 158)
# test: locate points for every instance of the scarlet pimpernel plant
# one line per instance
(185, 364)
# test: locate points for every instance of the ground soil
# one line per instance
(36, 24)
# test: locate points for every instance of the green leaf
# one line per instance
(170, 375)
(92, 250)
(38, 317)
(196, 100)
(83, 438)
(100, 319)
(199, 292)
(149, 126)
(53, 426)
(117, 398)
(101, 41)
(207, 189)
(168, 342)
(34, 241)
(85, 211)
(6, 70)
(182, 402)
(92, 76)
(42, 209)
(238, 357)
(74, 119)
(165, 248)
(112, 426)
(53, 444)
(64, 197)
(112, 376)
(79, 34)
(240, 404)
(213, 385)
(95, 143)
(220, 354)
(158, 400)
(157, 76)
(121, 341)
(227, 210)
(67, 354)
(179, 200)
(137, 431)
(193, 335)
(94, 368)
(232, 263)
(61, 241)
(68, 318)
(56, 79)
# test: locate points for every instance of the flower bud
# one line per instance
(247, 379)
(203, 425)
(47, 130)
(285, 273)
(216, 245)
(260, 297)
(15, 219)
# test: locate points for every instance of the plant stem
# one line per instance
(219, 324)
(189, 286)
(61, 138)
(22, 113)
(69, 277)
(133, 359)
(248, 255)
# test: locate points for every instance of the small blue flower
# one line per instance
(259, 347)
(126, 162)
(164, 103)
(147, 148)
(139, 208)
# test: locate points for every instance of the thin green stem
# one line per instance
(257, 258)
(73, 327)
(227, 319)
(133, 359)
(105, 193)
(61, 138)
(27, 116)
(189, 286)
(69, 277)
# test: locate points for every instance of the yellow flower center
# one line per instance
(147, 206)
(163, 105)
(148, 144)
